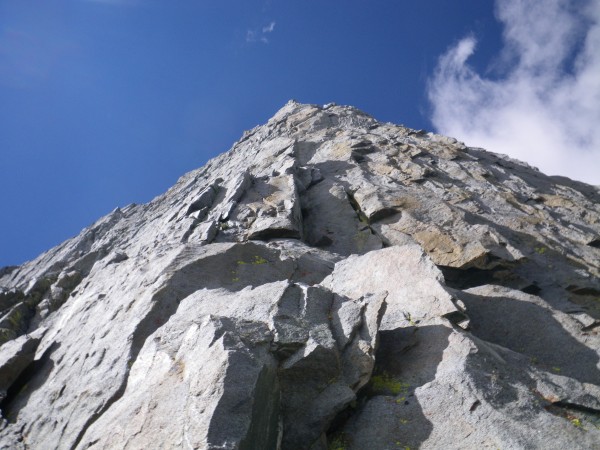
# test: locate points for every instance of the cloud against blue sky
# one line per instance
(540, 100)
(260, 35)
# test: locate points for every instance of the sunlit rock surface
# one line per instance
(330, 282)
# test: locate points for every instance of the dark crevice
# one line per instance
(356, 207)
(580, 416)
(363, 146)
(383, 213)
(467, 278)
(457, 318)
(364, 219)
(532, 289)
(7, 270)
(323, 241)
(595, 243)
(360, 149)
(275, 233)
(10, 298)
(474, 405)
(204, 202)
(579, 290)
(357, 157)
(406, 358)
(17, 366)
(363, 394)
(335, 430)
(591, 326)
(576, 407)
(302, 210)
(26, 383)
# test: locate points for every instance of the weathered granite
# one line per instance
(331, 282)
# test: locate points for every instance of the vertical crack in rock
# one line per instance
(235, 191)
(17, 365)
(356, 207)
(337, 338)
(201, 205)
(197, 212)
(29, 370)
(388, 410)
(264, 429)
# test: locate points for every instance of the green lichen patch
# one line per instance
(259, 260)
(256, 260)
(385, 384)
(338, 442)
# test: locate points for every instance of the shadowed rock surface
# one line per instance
(331, 282)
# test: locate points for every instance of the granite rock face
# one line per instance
(331, 282)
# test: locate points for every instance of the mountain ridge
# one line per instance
(338, 277)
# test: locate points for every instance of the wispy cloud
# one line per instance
(260, 35)
(545, 107)
(269, 28)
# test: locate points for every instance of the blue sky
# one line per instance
(107, 102)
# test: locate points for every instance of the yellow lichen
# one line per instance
(386, 384)
(576, 422)
(338, 443)
(259, 260)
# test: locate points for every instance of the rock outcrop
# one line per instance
(331, 282)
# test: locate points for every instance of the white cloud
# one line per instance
(269, 28)
(545, 108)
(260, 35)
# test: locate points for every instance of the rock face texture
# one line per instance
(331, 282)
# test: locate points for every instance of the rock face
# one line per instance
(331, 282)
